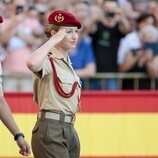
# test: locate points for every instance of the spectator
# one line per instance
(131, 52)
(140, 5)
(21, 28)
(106, 38)
(153, 9)
(149, 37)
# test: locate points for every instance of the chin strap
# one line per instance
(57, 84)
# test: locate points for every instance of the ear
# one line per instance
(53, 32)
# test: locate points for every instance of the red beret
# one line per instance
(1, 19)
(63, 18)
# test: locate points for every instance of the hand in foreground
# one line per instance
(57, 37)
(24, 147)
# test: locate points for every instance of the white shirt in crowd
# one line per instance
(131, 41)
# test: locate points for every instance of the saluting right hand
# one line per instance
(57, 37)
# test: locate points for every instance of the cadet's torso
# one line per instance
(45, 93)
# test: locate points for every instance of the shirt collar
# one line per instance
(57, 54)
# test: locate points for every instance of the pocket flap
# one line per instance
(66, 80)
(35, 129)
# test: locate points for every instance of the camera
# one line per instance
(109, 14)
(19, 9)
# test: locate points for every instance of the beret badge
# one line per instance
(59, 18)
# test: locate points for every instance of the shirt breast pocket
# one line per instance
(66, 83)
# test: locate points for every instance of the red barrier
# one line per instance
(95, 101)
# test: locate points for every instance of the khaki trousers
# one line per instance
(54, 139)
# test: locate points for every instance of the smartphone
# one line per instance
(134, 51)
(151, 45)
(19, 9)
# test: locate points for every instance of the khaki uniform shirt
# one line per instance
(1, 90)
(45, 93)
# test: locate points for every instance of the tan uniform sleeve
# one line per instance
(46, 69)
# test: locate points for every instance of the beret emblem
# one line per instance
(59, 18)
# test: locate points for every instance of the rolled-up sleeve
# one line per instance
(46, 69)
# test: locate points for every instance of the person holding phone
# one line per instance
(8, 120)
(56, 89)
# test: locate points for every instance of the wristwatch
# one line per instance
(18, 135)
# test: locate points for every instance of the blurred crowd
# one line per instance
(116, 36)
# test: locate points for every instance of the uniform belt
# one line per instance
(57, 116)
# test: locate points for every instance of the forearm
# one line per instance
(124, 25)
(7, 33)
(35, 61)
(7, 118)
(88, 71)
(128, 63)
